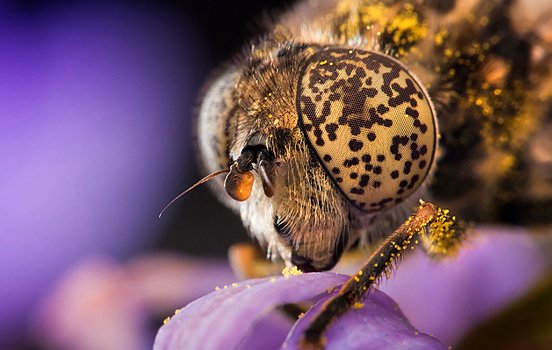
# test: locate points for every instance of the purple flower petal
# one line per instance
(274, 329)
(378, 324)
(226, 318)
(446, 298)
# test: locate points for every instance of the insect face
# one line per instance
(320, 141)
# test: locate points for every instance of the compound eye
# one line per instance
(239, 184)
(370, 122)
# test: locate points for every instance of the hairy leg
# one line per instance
(430, 225)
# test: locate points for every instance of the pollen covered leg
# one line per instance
(431, 225)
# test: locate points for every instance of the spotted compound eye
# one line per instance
(370, 122)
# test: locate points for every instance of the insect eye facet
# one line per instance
(370, 122)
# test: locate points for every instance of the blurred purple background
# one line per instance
(96, 100)
(95, 105)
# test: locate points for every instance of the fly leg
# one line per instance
(430, 226)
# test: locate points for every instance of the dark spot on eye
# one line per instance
(353, 175)
(318, 134)
(398, 156)
(350, 162)
(422, 164)
(330, 129)
(336, 170)
(355, 190)
(377, 184)
(423, 150)
(403, 183)
(412, 112)
(364, 180)
(327, 158)
(355, 145)
(407, 166)
(368, 167)
(394, 174)
(377, 170)
(382, 109)
(371, 136)
(414, 137)
(366, 158)
(413, 146)
(380, 158)
(339, 179)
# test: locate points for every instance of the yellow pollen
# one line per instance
(291, 271)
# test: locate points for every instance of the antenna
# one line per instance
(205, 179)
